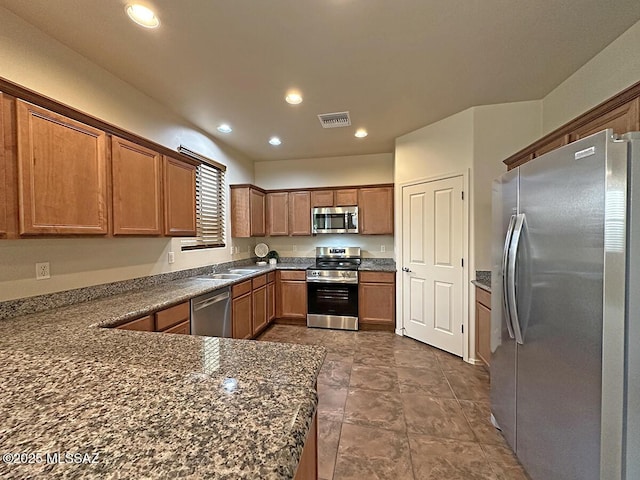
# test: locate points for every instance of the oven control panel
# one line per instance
(330, 276)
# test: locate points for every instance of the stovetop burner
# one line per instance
(334, 265)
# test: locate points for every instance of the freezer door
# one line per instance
(560, 308)
(503, 348)
(632, 430)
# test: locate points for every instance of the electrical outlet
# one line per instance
(171, 257)
(42, 271)
(294, 248)
(383, 248)
(231, 250)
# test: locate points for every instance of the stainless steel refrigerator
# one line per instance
(565, 325)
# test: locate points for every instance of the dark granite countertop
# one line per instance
(483, 280)
(151, 404)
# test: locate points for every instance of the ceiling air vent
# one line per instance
(334, 120)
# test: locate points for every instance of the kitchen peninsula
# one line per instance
(138, 404)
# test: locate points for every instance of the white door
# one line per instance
(432, 251)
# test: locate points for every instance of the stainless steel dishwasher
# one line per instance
(211, 314)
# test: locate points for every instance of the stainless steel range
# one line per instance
(332, 288)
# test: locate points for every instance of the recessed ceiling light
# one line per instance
(294, 98)
(275, 141)
(361, 133)
(142, 15)
(224, 128)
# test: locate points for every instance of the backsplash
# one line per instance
(40, 303)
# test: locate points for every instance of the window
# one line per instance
(210, 203)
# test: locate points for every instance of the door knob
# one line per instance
(405, 269)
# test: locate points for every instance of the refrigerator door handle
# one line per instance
(511, 277)
(505, 276)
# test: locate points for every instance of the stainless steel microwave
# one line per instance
(335, 220)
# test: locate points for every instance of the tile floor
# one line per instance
(393, 408)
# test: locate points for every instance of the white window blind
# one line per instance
(210, 205)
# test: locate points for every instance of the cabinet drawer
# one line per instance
(377, 277)
(143, 324)
(293, 275)
(259, 281)
(271, 277)
(241, 289)
(183, 328)
(483, 297)
(172, 316)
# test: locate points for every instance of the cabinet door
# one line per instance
(3, 179)
(375, 210)
(278, 214)
(62, 171)
(259, 309)
(175, 315)
(271, 302)
(142, 324)
(376, 304)
(347, 197)
(241, 315)
(322, 198)
(292, 299)
(299, 213)
(483, 331)
(137, 197)
(625, 118)
(179, 198)
(257, 213)
(183, 328)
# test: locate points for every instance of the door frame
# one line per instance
(469, 327)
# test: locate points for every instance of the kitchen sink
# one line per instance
(225, 276)
(244, 270)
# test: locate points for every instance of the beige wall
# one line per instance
(437, 149)
(609, 72)
(498, 131)
(327, 172)
(32, 59)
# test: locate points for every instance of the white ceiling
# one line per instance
(396, 65)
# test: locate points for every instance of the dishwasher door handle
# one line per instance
(210, 301)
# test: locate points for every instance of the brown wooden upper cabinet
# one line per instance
(179, 198)
(278, 214)
(62, 179)
(621, 113)
(375, 210)
(299, 213)
(137, 189)
(345, 197)
(622, 120)
(247, 211)
(288, 213)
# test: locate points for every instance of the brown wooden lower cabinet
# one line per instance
(183, 328)
(308, 465)
(176, 319)
(291, 286)
(483, 325)
(377, 300)
(271, 296)
(142, 324)
(259, 314)
(241, 310)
